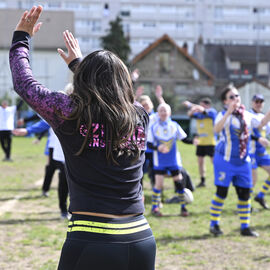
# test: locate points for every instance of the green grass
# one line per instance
(31, 233)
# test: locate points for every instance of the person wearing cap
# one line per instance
(205, 140)
(260, 157)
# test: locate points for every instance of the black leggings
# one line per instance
(242, 193)
(84, 250)
(5, 138)
(62, 184)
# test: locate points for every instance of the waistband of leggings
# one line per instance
(92, 228)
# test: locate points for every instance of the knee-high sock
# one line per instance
(244, 208)
(156, 198)
(264, 188)
(181, 196)
(216, 209)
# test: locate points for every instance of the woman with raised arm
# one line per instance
(232, 162)
(102, 133)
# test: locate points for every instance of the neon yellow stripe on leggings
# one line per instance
(107, 231)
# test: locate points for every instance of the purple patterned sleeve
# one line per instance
(46, 103)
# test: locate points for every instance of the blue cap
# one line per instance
(258, 97)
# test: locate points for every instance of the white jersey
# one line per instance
(54, 143)
(7, 117)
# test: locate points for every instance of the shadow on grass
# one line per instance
(262, 258)
(25, 221)
(23, 198)
(168, 240)
(22, 189)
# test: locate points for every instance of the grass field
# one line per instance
(31, 232)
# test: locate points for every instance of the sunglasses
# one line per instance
(259, 101)
(232, 97)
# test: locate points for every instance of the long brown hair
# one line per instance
(103, 92)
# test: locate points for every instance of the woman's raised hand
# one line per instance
(28, 21)
(73, 48)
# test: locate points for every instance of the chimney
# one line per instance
(185, 47)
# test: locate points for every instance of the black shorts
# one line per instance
(205, 150)
(163, 172)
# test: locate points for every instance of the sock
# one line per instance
(244, 213)
(202, 179)
(155, 198)
(216, 209)
(264, 188)
(181, 196)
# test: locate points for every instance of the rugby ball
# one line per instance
(188, 196)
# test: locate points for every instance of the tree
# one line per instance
(115, 41)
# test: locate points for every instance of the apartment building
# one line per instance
(217, 21)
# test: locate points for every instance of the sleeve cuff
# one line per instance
(74, 63)
(20, 36)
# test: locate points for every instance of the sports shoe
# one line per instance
(262, 202)
(65, 215)
(184, 212)
(215, 230)
(248, 232)
(174, 199)
(7, 159)
(156, 213)
(202, 184)
(45, 194)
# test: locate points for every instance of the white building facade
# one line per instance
(217, 21)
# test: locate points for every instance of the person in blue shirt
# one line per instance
(162, 138)
(259, 156)
(232, 162)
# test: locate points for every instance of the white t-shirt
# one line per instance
(54, 143)
(7, 117)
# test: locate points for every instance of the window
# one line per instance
(126, 27)
(149, 24)
(96, 26)
(125, 13)
(235, 65)
(3, 4)
(263, 68)
(164, 62)
(179, 25)
(135, 42)
(54, 5)
(258, 26)
(248, 68)
(242, 27)
(95, 7)
(72, 5)
(148, 8)
(147, 41)
(167, 26)
(168, 9)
